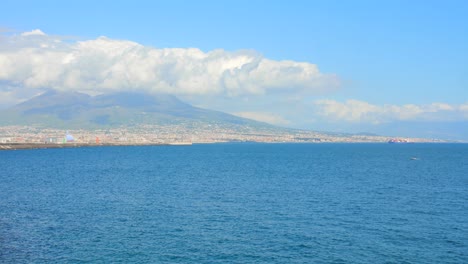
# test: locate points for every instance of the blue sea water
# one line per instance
(236, 203)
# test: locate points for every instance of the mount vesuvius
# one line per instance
(57, 109)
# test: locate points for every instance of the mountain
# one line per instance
(57, 109)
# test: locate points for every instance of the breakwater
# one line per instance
(19, 146)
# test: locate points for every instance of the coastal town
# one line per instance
(180, 135)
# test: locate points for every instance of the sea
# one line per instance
(236, 203)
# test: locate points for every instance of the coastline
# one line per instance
(25, 146)
(20, 146)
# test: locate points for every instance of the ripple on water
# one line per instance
(236, 203)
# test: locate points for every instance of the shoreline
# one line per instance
(25, 146)
(21, 146)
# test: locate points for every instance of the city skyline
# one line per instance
(392, 68)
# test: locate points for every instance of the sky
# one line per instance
(397, 68)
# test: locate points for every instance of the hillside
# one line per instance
(77, 110)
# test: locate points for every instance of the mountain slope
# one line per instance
(77, 110)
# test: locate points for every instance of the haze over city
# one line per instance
(394, 68)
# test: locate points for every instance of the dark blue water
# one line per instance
(236, 203)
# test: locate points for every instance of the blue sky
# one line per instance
(385, 54)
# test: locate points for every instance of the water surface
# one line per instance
(236, 203)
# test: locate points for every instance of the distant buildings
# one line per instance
(170, 134)
(5, 140)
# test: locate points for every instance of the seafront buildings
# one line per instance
(174, 134)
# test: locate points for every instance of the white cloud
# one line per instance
(35, 60)
(355, 111)
(36, 32)
(270, 118)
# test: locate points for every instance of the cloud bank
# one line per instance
(34, 60)
(356, 111)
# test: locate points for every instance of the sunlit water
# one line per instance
(236, 203)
